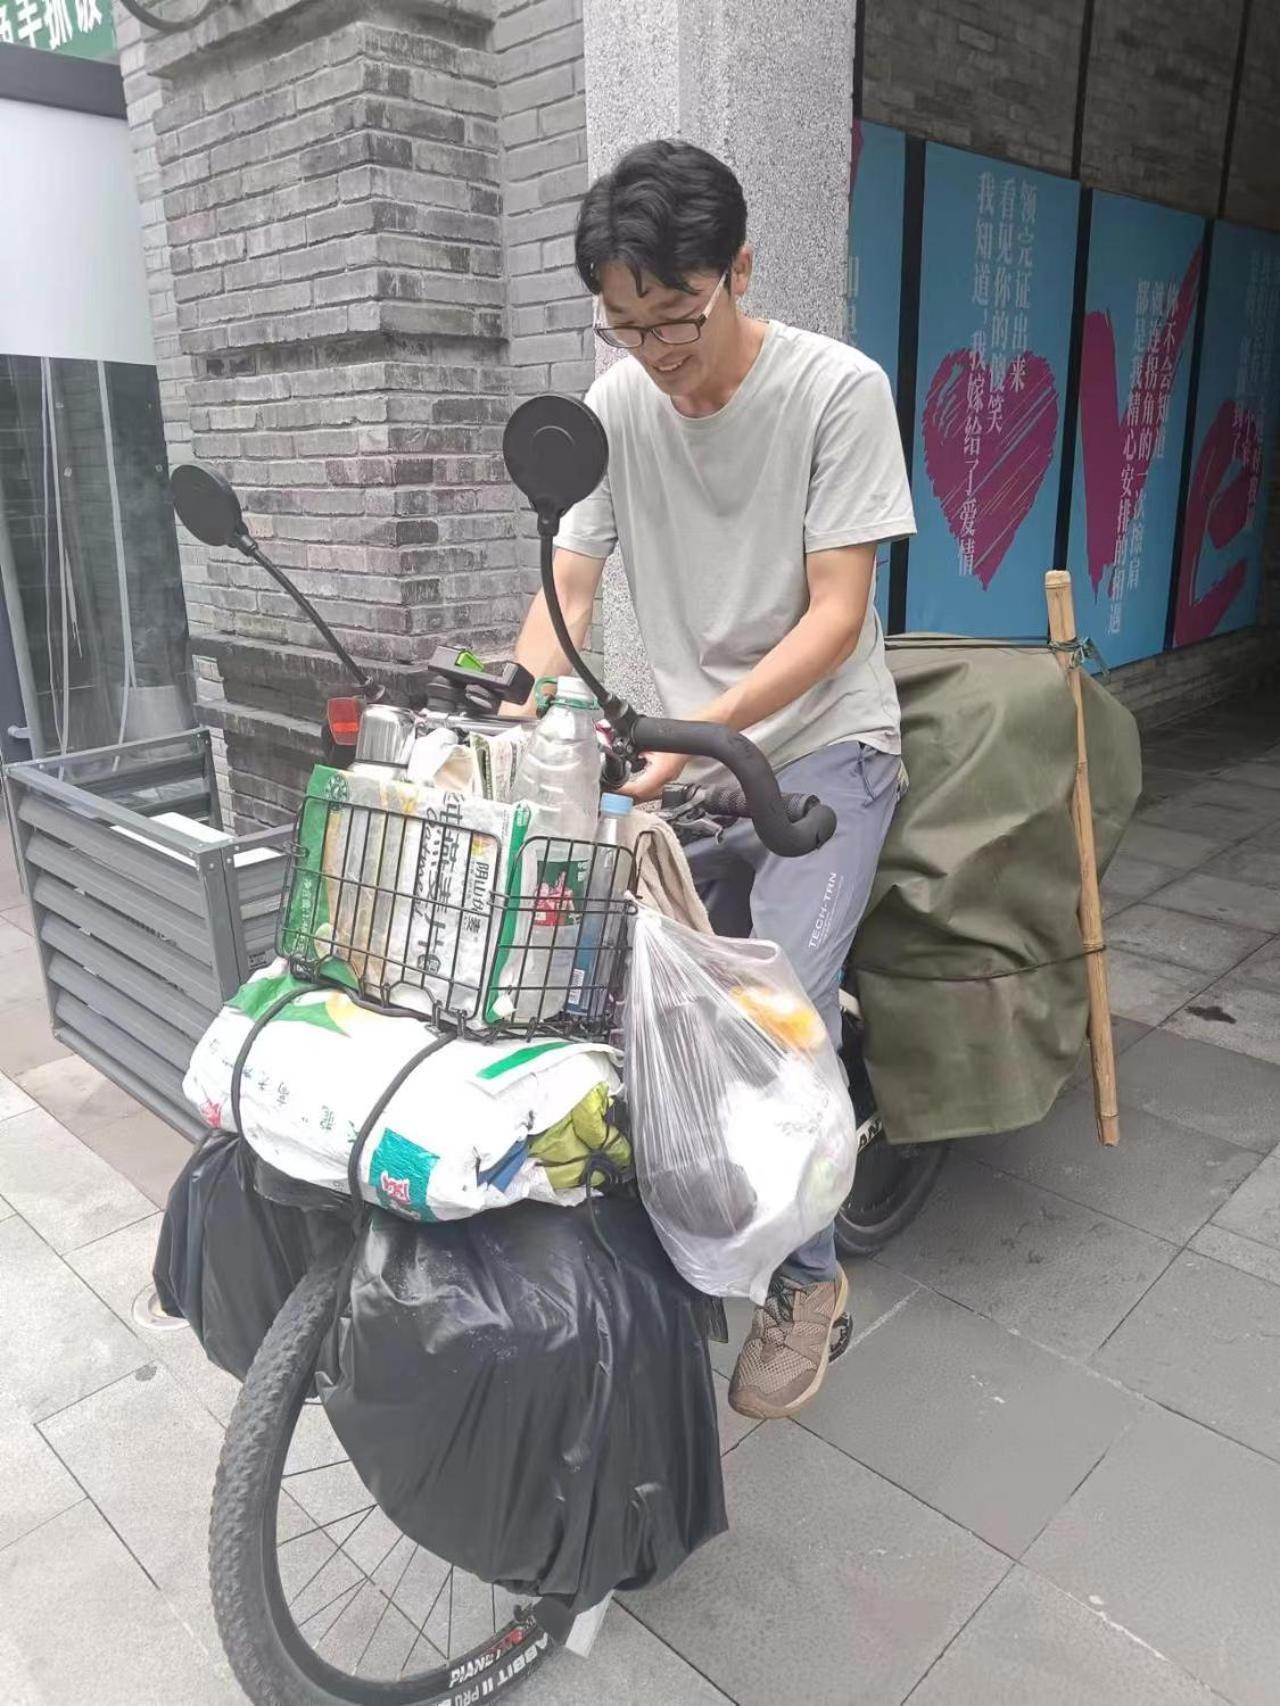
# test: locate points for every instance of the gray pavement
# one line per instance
(1047, 1471)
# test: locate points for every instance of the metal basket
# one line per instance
(416, 913)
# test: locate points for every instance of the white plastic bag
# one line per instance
(744, 1135)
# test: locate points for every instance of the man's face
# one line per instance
(675, 368)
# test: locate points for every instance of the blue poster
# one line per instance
(1135, 369)
(1234, 444)
(996, 289)
(876, 182)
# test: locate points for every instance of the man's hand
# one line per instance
(660, 770)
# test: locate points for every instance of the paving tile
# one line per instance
(1262, 968)
(5, 1210)
(1233, 1015)
(1225, 899)
(1223, 790)
(874, 1291)
(1171, 847)
(60, 1341)
(144, 1149)
(34, 1486)
(867, 1583)
(974, 1420)
(1062, 1274)
(1247, 863)
(1124, 1034)
(733, 1427)
(13, 1099)
(1176, 1538)
(1032, 1644)
(1177, 938)
(20, 917)
(1148, 991)
(25, 1037)
(1254, 1210)
(1164, 1178)
(1166, 782)
(628, 1666)
(1258, 1259)
(1203, 1342)
(83, 1623)
(118, 1269)
(64, 1190)
(11, 940)
(1135, 879)
(1206, 1088)
(1212, 819)
(146, 1454)
(1259, 773)
(77, 1094)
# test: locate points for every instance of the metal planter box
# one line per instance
(144, 927)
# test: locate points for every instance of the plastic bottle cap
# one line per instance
(616, 805)
(571, 691)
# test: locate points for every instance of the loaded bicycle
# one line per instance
(320, 1597)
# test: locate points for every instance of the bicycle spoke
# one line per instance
(364, 1512)
(390, 1599)
(315, 1469)
(351, 1587)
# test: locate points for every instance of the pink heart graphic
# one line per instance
(987, 482)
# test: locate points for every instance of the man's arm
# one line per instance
(826, 636)
(577, 580)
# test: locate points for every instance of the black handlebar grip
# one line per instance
(732, 802)
(789, 838)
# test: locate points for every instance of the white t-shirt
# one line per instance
(715, 514)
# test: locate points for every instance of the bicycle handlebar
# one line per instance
(781, 832)
(729, 802)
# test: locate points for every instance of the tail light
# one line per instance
(343, 719)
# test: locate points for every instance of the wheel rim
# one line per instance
(361, 1608)
(885, 1177)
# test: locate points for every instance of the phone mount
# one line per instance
(556, 452)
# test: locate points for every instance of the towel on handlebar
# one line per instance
(663, 879)
(455, 1138)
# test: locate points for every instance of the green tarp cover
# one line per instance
(970, 966)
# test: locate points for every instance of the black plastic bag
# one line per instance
(228, 1258)
(527, 1403)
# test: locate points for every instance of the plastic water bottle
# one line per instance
(559, 778)
(603, 923)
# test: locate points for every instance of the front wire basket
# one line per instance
(424, 914)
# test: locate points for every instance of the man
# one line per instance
(753, 469)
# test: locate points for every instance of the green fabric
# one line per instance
(564, 1148)
(969, 959)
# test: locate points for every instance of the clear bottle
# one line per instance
(559, 778)
(603, 923)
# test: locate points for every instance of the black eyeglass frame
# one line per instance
(615, 336)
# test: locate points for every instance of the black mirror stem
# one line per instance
(622, 716)
(248, 546)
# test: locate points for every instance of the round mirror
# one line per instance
(556, 452)
(206, 504)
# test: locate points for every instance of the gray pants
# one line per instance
(810, 907)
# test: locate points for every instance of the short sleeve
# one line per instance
(589, 527)
(858, 488)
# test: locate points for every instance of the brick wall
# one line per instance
(994, 75)
(543, 127)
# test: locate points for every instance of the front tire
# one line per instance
(263, 1632)
(889, 1190)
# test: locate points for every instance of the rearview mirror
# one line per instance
(556, 452)
(206, 504)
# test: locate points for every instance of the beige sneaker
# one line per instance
(784, 1360)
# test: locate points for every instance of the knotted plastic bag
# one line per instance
(744, 1136)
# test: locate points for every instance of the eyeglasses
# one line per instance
(667, 332)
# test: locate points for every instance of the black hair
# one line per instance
(667, 209)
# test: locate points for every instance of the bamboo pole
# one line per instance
(1062, 631)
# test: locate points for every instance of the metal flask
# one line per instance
(386, 738)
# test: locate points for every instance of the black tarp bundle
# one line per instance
(228, 1258)
(529, 1400)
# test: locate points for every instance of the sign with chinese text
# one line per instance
(1234, 442)
(996, 297)
(875, 266)
(80, 28)
(1135, 366)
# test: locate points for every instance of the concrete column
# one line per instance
(768, 86)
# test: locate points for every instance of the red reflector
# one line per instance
(343, 717)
